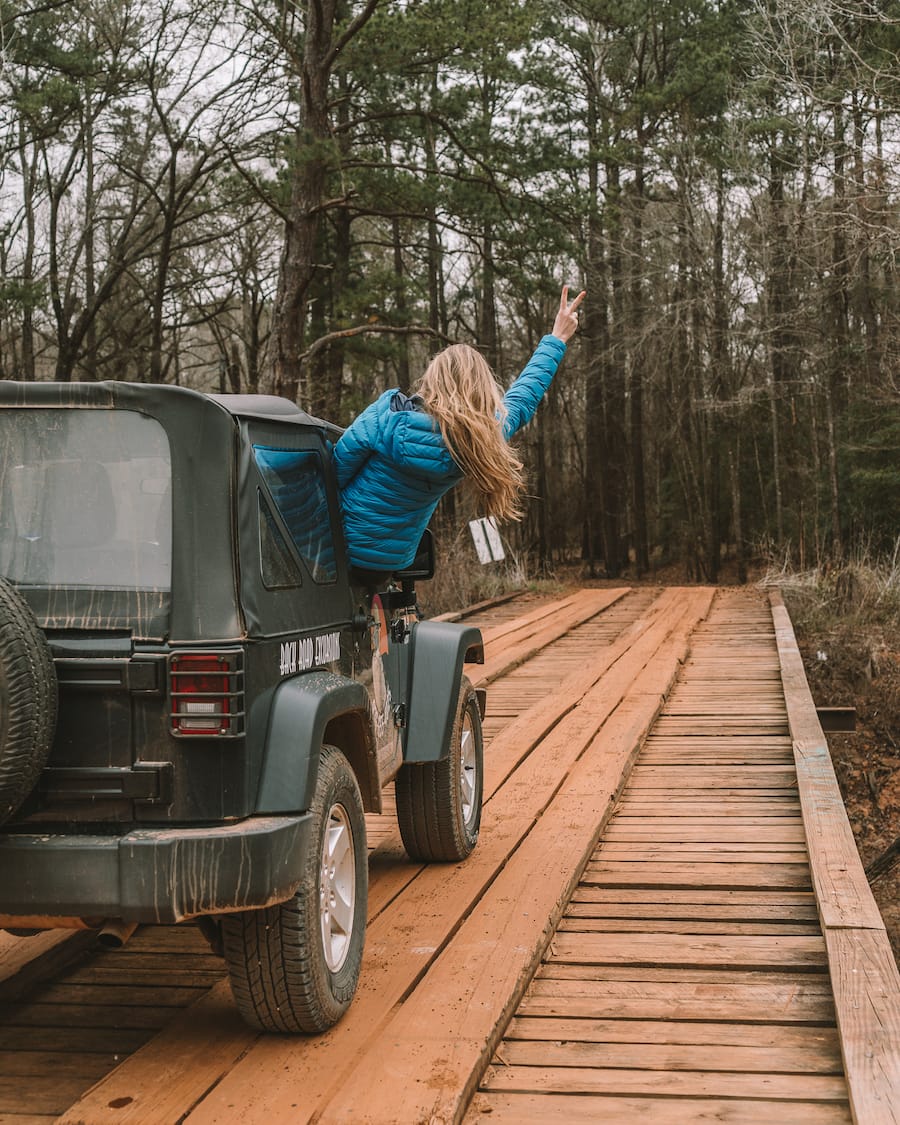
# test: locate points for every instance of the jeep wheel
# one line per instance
(294, 967)
(439, 803)
(27, 701)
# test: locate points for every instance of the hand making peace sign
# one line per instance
(567, 318)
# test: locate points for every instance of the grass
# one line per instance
(460, 580)
(860, 594)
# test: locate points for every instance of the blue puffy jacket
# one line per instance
(393, 465)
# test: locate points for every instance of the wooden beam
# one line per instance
(863, 971)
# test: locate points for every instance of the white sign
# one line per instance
(309, 652)
(486, 538)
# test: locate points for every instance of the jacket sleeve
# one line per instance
(356, 445)
(523, 397)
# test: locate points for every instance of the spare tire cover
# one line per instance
(27, 700)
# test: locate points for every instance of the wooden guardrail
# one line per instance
(864, 975)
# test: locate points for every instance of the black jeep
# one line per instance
(196, 704)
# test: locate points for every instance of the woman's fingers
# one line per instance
(566, 322)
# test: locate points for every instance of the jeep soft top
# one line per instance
(173, 569)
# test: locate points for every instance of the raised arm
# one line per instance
(524, 396)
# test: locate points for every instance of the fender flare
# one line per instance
(302, 709)
(439, 651)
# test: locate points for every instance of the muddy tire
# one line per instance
(439, 803)
(27, 701)
(294, 967)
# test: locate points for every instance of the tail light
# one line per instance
(207, 693)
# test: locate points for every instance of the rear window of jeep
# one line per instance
(295, 480)
(85, 499)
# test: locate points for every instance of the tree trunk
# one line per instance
(487, 319)
(400, 310)
(157, 310)
(298, 265)
(595, 343)
(737, 526)
(636, 372)
(614, 480)
(90, 283)
(28, 173)
(437, 301)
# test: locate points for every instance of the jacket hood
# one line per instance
(413, 440)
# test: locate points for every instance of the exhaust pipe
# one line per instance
(115, 933)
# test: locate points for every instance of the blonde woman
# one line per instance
(402, 454)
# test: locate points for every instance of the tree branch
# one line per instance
(367, 329)
(353, 28)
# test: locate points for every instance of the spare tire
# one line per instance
(27, 700)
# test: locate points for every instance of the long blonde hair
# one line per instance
(461, 394)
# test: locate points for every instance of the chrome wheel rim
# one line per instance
(468, 770)
(337, 888)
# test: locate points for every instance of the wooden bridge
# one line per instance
(665, 919)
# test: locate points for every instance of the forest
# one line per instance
(310, 197)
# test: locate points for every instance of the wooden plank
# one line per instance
(712, 821)
(538, 1109)
(604, 675)
(577, 1052)
(390, 873)
(478, 608)
(183, 938)
(690, 896)
(581, 907)
(86, 1066)
(706, 874)
(87, 1016)
(27, 1118)
(808, 981)
(679, 806)
(736, 951)
(747, 1006)
(116, 996)
(450, 1026)
(199, 1046)
(576, 922)
(118, 1040)
(746, 794)
(126, 960)
(866, 986)
(693, 758)
(671, 1083)
(149, 976)
(710, 832)
(563, 1029)
(17, 1096)
(427, 911)
(689, 777)
(626, 849)
(522, 623)
(843, 893)
(703, 852)
(864, 973)
(27, 961)
(519, 646)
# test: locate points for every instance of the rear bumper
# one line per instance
(154, 875)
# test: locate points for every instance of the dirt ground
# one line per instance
(848, 671)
